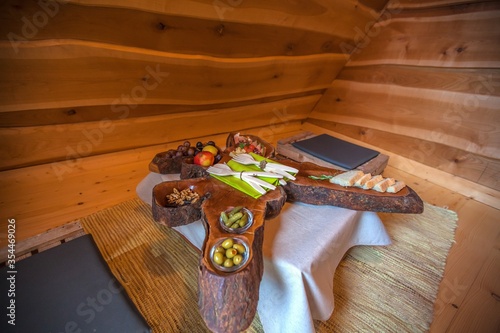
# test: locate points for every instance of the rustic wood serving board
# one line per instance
(235, 313)
(227, 301)
(375, 166)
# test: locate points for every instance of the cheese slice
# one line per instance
(347, 178)
(361, 181)
(384, 184)
(374, 180)
(394, 188)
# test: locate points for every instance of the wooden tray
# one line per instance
(236, 313)
(230, 144)
(375, 166)
(322, 192)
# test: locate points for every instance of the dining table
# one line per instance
(302, 248)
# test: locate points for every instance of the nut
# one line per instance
(183, 197)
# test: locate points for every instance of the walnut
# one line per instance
(179, 198)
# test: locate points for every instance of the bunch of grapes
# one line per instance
(187, 150)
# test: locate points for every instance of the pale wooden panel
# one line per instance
(163, 32)
(483, 82)
(491, 175)
(24, 146)
(482, 299)
(430, 38)
(466, 165)
(72, 115)
(42, 197)
(69, 74)
(463, 121)
(399, 4)
(460, 299)
(315, 15)
(476, 234)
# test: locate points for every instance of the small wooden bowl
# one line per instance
(231, 145)
(172, 215)
(164, 164)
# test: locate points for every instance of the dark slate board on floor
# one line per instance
(68, 288)
(336, 151)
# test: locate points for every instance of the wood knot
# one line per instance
(219, 30)
(290, 47)
(161, 26)
(71, 112)
(327, 46)
(460, 49)
(338, 99)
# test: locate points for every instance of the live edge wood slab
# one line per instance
(228, 301)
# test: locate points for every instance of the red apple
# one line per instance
(204, 158)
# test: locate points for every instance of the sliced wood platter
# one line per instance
(322, 192)
(228, 300)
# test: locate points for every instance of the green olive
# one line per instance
(237, 259)
(220, 249)
(227, 243)
(238, 247)
(218, 258)
(231, 253)
(228, 263)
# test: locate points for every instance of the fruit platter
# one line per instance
(170, 161)
(235, 194)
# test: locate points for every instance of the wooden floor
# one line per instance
(469, 296)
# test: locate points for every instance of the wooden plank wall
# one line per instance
(76, 71)
(89, 85)
(425, 85)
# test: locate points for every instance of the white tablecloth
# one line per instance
(302, 248)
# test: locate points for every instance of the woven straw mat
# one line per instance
(376, 289)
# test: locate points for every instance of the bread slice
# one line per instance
(347, 178)
(383, 185)
(395, 188)
(374, 180)
(361, 181)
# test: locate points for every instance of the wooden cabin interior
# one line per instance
(91, 90)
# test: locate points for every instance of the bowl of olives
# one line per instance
(236, 219)
(229, 254)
